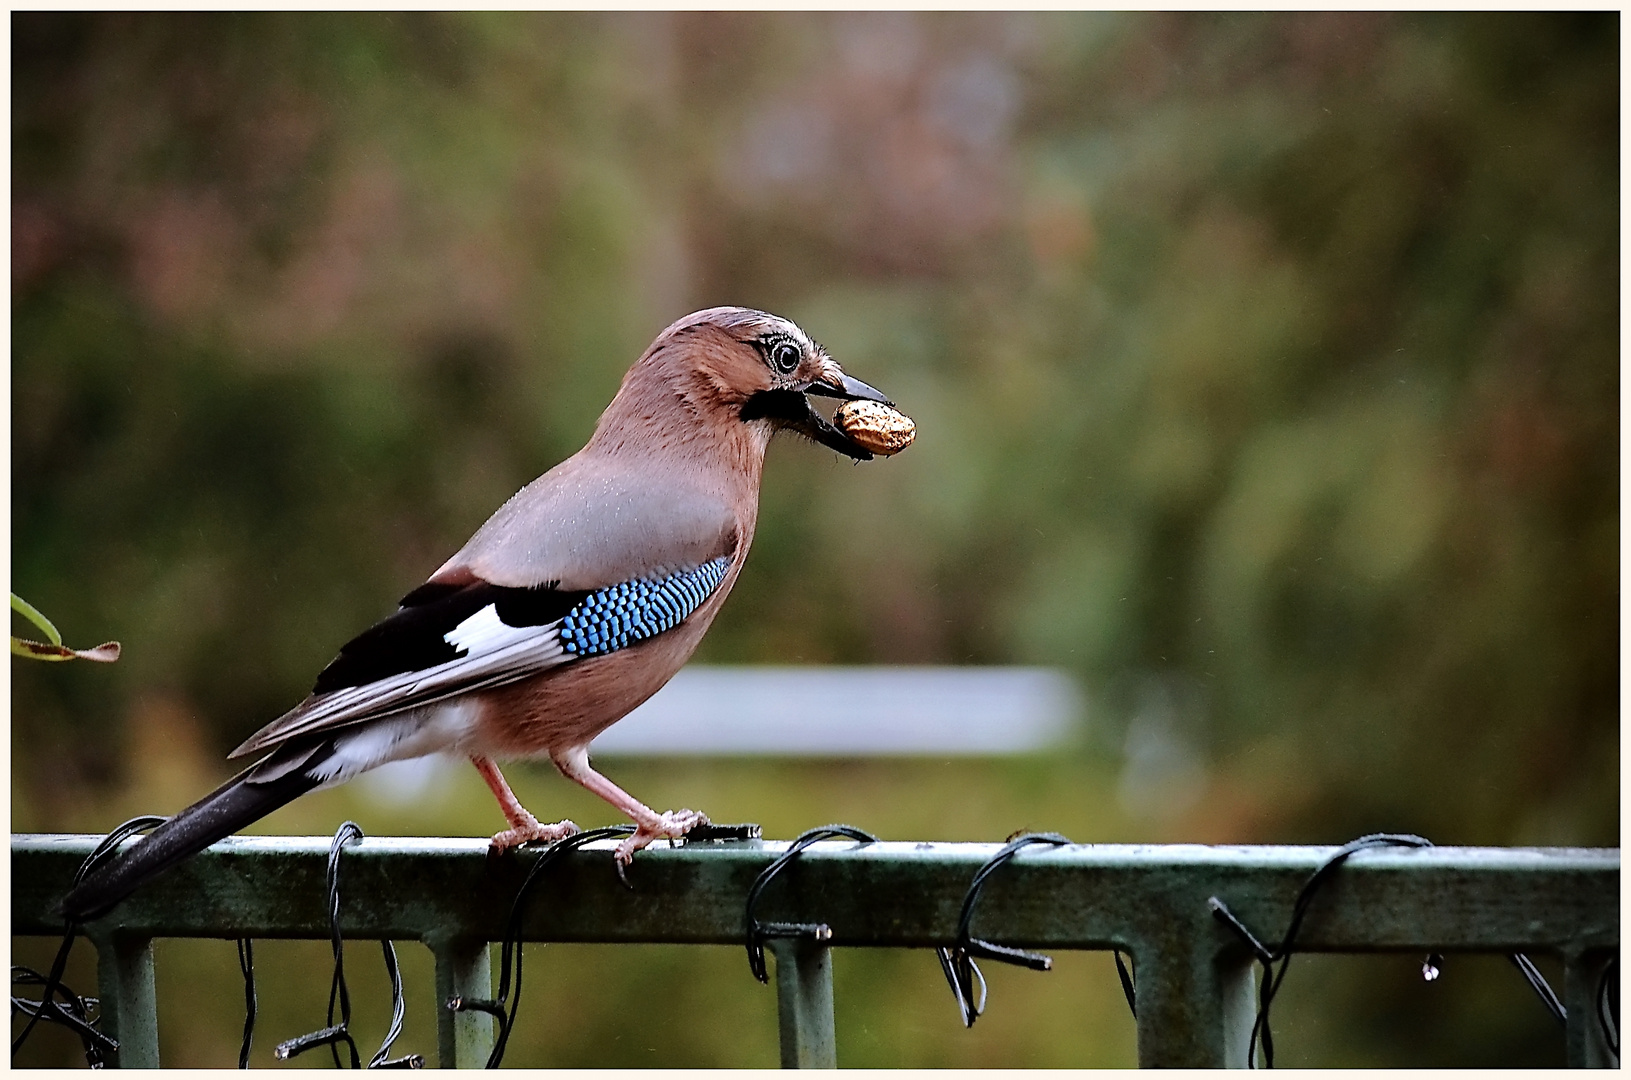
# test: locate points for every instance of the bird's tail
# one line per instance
(247, 797)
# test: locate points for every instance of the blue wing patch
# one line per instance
(621, 615)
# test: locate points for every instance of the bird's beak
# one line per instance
(845, 388)
(793, 409)
(833, 383)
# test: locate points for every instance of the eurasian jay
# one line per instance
(573, 604)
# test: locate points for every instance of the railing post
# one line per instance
(1586, 1047)
(804, 1003)
(1196, 1006)
(463, 969)
(124, 971)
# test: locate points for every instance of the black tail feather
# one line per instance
(247, 797)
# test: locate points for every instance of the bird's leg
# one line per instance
(649, 825)
(524, 828)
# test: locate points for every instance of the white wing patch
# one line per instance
(485, 631)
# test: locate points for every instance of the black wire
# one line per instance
(334, 1034)
(1127, 987)
(758, 932)
(957, 960)
(512, 929)
(1273, 976)
(246, 964)
(141, 823)
(104, 848)
(74, 1014)
(46, 1008)
(381, 1058)
(339, 993)
(1538, 983)
(348, 832)
(503, 1009)
(1608, 1006)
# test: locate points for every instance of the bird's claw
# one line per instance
(530, 832)
(669, 825)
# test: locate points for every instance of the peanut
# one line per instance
(876, 427)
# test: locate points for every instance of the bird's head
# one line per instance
(735, 366)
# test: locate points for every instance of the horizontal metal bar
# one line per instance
(885, 894)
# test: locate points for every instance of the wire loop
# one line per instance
(759, 932)
(957, 960)
(1273, 976)
(74, 1013)
(508, 1002)
(77, 1013)
(339, 994)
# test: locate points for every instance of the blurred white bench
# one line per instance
(850, 711)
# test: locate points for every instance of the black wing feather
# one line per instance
(414, 638)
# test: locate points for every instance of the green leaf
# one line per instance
(54, 650)
(32, 614)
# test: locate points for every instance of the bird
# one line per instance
(576, 601)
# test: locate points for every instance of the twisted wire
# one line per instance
(957, 959)
(76, 1016)
(758, 932)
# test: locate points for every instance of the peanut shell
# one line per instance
(875, 426)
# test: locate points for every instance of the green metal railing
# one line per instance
(1195, 980)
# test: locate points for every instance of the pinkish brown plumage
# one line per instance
(575, 602)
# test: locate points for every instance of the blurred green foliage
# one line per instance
(1265, 369)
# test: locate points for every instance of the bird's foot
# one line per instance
(529, 830)
(670, 825)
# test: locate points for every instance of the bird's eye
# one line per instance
(785, 356)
